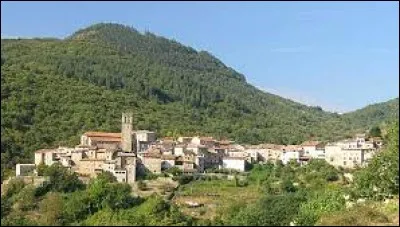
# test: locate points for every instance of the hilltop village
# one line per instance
(129, 152)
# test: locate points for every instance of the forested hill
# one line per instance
(375, 114)
(53, 90)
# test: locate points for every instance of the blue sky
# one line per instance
(338, 55)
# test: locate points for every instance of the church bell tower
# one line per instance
(127, 143)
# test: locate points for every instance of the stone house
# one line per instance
(313, 149)
(97, 152)
(237, 163)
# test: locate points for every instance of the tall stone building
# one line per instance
(127, 140)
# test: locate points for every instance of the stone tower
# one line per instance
(130, 166)
(127, 143)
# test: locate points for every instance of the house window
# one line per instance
(344, 163)
(349, 158)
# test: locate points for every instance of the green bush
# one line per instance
(25, 200)
(60, 180)
(106, 176)
(175, 171)
(185, 179)
(380, 179)
(320, 204)
(13, 187)
(269, 211)
(142, 185)
(355, 216)
(331, 176)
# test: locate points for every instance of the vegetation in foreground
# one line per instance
(272, 194)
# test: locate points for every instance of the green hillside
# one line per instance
(53, 90)
(376, 114)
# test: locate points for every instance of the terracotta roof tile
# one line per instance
(106, 139)
(102, 134)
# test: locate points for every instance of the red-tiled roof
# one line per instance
(102, 134)
(106, 139)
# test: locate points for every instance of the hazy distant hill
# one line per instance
(52, 90)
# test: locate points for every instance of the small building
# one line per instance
(167, 161)
(205, 141)
(288, 155)
(151, 161)
(101, 139)
(237, 163)
(185, 140)
(345, 157)
(313, 149)
(179, 149)
(24, 169)
(144, 138)
(120, 174)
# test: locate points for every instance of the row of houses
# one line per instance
(125, 153)
(205, 152)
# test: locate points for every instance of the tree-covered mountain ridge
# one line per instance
(53, 90)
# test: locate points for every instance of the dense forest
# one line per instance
(53, 90)
(312, 194)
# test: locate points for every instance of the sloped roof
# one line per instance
(103, 134)
(106, 139)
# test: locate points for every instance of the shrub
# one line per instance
(175, 171)
(141, 185)
(355, 216)
(269, 211)
(13, 187)
(61, 180)
(185, 179)
(107, 176)
(331, 176)
(25, 199)
(287, 186)
(321, 203)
